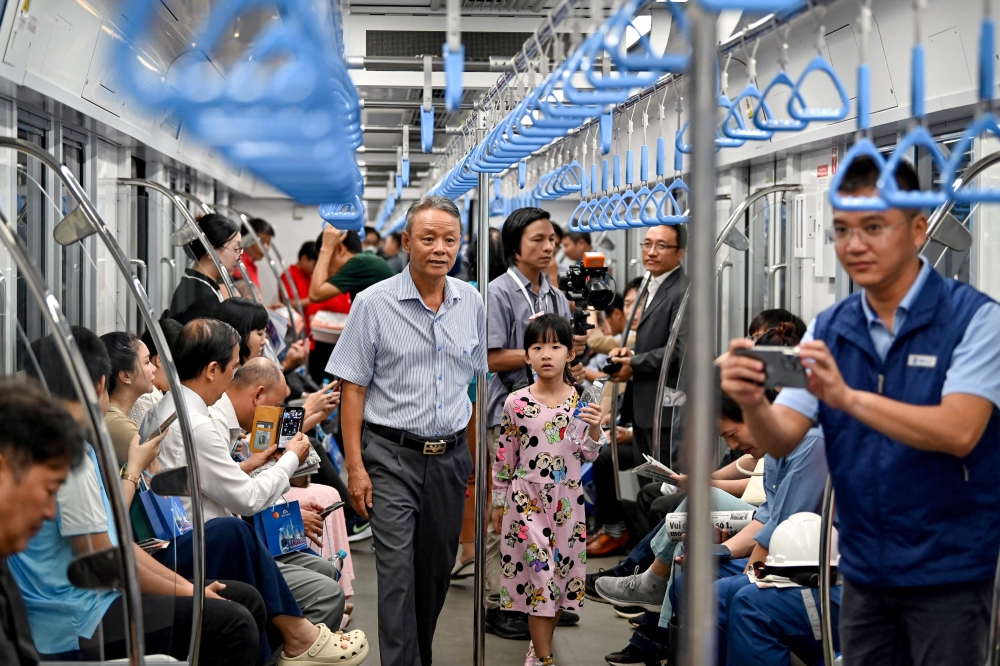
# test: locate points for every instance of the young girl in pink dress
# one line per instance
(537, 498)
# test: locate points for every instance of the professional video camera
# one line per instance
(586, 284)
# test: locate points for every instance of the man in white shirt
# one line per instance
(207, 356)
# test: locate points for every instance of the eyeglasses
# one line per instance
(237, 250)
(841, 234)
(662, 247)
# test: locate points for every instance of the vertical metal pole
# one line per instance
(482, 449)
(699, 432)
(825, 548)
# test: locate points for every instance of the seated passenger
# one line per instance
(131, 375)
(250, 321)
(791, 484)
(766, 624)
(198, 294)
(207, 355)
(171, 329)
(39, 442)
(233, 550)
(64, 618)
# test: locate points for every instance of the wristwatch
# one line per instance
(129, 477)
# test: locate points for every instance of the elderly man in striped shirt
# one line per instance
(407, 356)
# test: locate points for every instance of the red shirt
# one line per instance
(341, 303)
(251, 266)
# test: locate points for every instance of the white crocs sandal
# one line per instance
(340, 649)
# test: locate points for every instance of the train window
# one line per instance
(33, 227)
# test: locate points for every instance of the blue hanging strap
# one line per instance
(454, 70)
(644, 164)
(987, 55)
(604, 175)
(522, 173)
(661, 156)
(399, 186)
(752, 6)
(628, 167)
(427, 109)
(617, 170)
(605, 132)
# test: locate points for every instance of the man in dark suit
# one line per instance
(662, 252)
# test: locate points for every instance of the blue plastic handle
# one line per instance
(628, 167)
(722, 141)
(617, 170)
(406, 172)
(889, 189)
(752, 6)
(741, 131)
(604, 175)
(522, 173)
(661, 156)
(987, 55)
(349, 217)
(399, 186)
(496, 186)
(427, 129)
(917, 107)
(593, 179)
(962, 192)
(644, 164)
(863, 148)
(797, 107)
(651, 198)
(678, 161)
(679, 145)
(864, 97)
(604, 129)
(766, 120)
(454, 69)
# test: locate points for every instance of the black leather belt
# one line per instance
(429, 446)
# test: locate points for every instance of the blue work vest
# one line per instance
(907, 517)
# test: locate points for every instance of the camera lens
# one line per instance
(600, 295)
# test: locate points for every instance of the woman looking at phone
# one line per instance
(250, 321)
(132, 375)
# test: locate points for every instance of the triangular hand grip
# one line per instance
(797, 107)
(735, 113)
(722, 140)
(889, 189)
(764, 119)
(863, 148)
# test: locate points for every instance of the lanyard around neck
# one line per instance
(524, 291)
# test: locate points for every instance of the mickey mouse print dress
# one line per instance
(536, 475)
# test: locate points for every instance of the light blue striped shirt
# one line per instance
(416, 363)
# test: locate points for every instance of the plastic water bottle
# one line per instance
(338, 562)
(578, 427)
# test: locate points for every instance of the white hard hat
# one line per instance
(795, 542)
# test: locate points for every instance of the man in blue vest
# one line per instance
(904, 378)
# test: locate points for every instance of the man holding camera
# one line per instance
(904, 378)
(662, 253)
(529, 246)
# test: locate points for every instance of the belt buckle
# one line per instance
(435, 448)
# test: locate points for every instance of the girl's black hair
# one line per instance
(218, 230)
(244, 315)
(552, 328)
(768, 319)
(123, 350)
(171, 331)
(785, 334)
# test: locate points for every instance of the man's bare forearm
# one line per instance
(352, 413)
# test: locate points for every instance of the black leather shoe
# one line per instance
(568, 619)
(507, 624)
(632, 655)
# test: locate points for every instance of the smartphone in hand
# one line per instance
(330, 509)
(781, 365)
(291, 424)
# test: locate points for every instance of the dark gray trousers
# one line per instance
(416, 521)
(942, 625)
